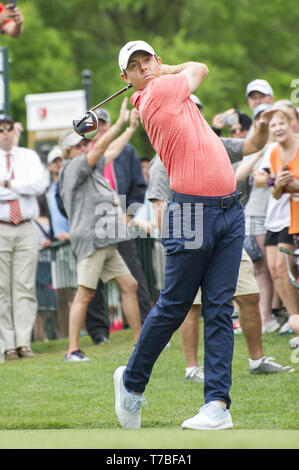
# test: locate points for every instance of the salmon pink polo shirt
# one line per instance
(193, 155)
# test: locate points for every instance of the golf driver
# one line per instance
(87, 126)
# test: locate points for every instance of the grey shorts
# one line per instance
(255, 225)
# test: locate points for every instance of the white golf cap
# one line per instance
(70, 139)
(259, 85)
(54, 153)
(129, 49)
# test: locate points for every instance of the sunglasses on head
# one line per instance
(7, 128)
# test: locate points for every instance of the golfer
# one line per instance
(201, 177)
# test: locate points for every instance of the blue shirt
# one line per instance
(59, 222)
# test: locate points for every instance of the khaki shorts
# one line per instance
(106, 263)
(246, 281)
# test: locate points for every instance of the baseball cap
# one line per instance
(6, 118)
(103, 115)
(259, 85)
(70, 139)
(54, 153)
(197, 101)
(129, 49)
(260, 108)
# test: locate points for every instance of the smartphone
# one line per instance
(12, 4)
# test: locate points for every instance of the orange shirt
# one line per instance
(194, 156)
(276, 164)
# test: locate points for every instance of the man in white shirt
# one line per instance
(22, 178)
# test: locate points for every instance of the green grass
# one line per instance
(49, 403)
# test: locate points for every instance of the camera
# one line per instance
(230, 119)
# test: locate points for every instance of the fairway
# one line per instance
(47, 403)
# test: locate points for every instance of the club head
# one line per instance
(87, 126)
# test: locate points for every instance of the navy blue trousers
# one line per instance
(212, 264)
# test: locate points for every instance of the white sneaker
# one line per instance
(127, 405)
(285, 329)
(271, 326)
(210, 417)
(195, 375)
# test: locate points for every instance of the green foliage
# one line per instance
(239, 41)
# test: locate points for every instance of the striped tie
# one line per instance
(14, 205)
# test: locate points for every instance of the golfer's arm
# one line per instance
(257, 141)
(195, 72)
(102, 144)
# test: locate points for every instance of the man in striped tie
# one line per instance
(22, 178)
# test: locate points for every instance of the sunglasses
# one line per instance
(6, 128)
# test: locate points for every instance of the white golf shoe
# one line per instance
(127, 405)
(210, 417)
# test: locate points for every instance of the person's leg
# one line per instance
(264, 281)
(6, 320)
(218, 287)
(182, 278)
(39, 326)
(129, 253)
(23, 283)
(278, 269)
(96, 322)
(77, 315)
(128, 286)
(250, 322)
(294, 323)
(62, 316)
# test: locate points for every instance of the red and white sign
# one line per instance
(54, 110)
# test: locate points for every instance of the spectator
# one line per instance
(259, 92)
(239, 123)
(83, 189)
(145, 165)
(64, 278)
(255, 212)
(22, 179)
(284, 167)
(11, 20)
(125, 176)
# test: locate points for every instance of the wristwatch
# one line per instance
(6, 182)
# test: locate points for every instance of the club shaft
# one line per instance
(111, 97)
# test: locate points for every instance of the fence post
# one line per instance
(4, 81)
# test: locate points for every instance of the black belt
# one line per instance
(11, 223)
(219, 201)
